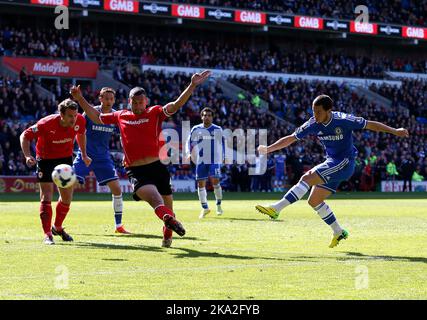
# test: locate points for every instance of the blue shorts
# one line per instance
(203, 171)
(103, 169)
(334, 171)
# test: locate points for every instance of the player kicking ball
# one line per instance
(55, 136)
(208, 162)
(142, 141)
(98, 139)
(334, 130)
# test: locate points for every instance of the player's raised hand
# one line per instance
(87, 160)
(402, 132)
(30, 161)
(199, 78)
(76, 92)
(262, 149)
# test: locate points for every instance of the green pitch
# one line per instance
(241, 255)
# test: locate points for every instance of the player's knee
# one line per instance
(313, 202)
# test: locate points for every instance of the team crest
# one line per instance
(40, 174)
(338, 131)
(76, 128)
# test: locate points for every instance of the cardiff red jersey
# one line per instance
(53, 140)
(140, 133)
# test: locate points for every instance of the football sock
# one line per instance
(328, 216)
(46, 216)
(118, 209)
(203, 197)
(61, 212)
(218, 194)
(160, 212)
(294, 194)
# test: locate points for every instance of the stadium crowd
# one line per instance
(380, 156)
(163, 49)
(400, 12)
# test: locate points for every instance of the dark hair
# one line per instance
(207, 109)
(67, 104)
(137, 91)
(107, 89)
(324, 101)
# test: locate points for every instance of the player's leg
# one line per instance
(316, 200)
(202, 175)
(215, 174)
(46, 192)
(117, 197)
(294, 194)
(167, 233)
(150, 194)
(151, 182)
(62, 209)
(203, 197)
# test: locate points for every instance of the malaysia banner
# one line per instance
(53, 68)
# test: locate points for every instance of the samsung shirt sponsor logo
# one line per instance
(102, 128)
(331, 138)
(219, 14)
(155, 8)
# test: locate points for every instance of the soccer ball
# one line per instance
(63, 176)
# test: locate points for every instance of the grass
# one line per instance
(241, 255)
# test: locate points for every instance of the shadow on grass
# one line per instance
(245, 219)
(135, 235)
(118, 260)
(95, 245)
(358, 255)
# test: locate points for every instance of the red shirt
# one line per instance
(53, 140)
(140, 133)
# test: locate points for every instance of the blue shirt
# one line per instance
(336, 136)
(98, 138)
(209, 144)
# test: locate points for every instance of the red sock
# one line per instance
(160, 212)
(61, 212)
(46, 216)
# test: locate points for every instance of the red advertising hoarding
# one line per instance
(414, 32)
(362, 27)
(121, 5)
(53, 68)
(188, 11)
(308, 22)
(25, 184)
(252, 17)
(51, 2)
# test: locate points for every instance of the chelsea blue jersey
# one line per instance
(98, 138)
(336, 136)
(209, 144)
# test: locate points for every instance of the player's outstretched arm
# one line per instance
(196, 79)
(91, 112)
(279, 144)
(381, 127)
